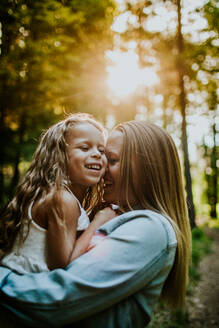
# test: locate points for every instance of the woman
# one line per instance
(143, 255)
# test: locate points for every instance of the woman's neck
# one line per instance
(131, 206)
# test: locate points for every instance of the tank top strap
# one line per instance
(29, 211)
(66, 187)
(83, 220)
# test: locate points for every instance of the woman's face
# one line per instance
(113, 153)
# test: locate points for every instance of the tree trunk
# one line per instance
(180, 68)
(6, 37)
(2, 156)
(213, 200)
(16, 173)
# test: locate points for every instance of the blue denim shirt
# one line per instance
(116, 284)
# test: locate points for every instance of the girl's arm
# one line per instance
(62, 213)
(83, 241)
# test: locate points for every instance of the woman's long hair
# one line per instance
(150, 166)
(48, 170)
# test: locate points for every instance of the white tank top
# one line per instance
(31, 256)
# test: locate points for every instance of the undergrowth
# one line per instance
(162, 317)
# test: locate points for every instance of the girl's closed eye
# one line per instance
(102, 150)
(84, 147)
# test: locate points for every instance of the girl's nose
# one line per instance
(96, 153)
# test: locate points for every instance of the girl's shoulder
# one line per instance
(55, 196)
(59, 201)
(61, 198)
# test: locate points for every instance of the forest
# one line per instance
(117, 60)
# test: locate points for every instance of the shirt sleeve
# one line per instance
(124, 262)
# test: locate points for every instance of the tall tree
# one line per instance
(211, 13)
(203, 57)
(214, 156)
(181, 74)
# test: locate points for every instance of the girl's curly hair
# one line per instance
(48, 170)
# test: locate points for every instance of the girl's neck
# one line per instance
(78, 191)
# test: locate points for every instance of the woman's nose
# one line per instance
(106, 171)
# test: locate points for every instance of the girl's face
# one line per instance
(113, 153)
(86, 160)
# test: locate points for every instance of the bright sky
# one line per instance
(165, 19)
(125, 76)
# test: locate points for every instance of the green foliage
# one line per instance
(51, 63)
(201, 245)
(162, 318)
(214, 223)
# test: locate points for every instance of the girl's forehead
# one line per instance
(84, 128)
(84, 132)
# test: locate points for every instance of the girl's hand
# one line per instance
(104, 215)
(82, 244)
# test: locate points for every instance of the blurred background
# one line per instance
(118, 60)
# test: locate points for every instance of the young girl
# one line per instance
(38, 228)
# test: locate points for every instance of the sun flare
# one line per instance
(125, 77)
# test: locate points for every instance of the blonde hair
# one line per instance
(150, 166)
(48, 170)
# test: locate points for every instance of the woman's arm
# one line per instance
(84, 240)
(139, 248)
